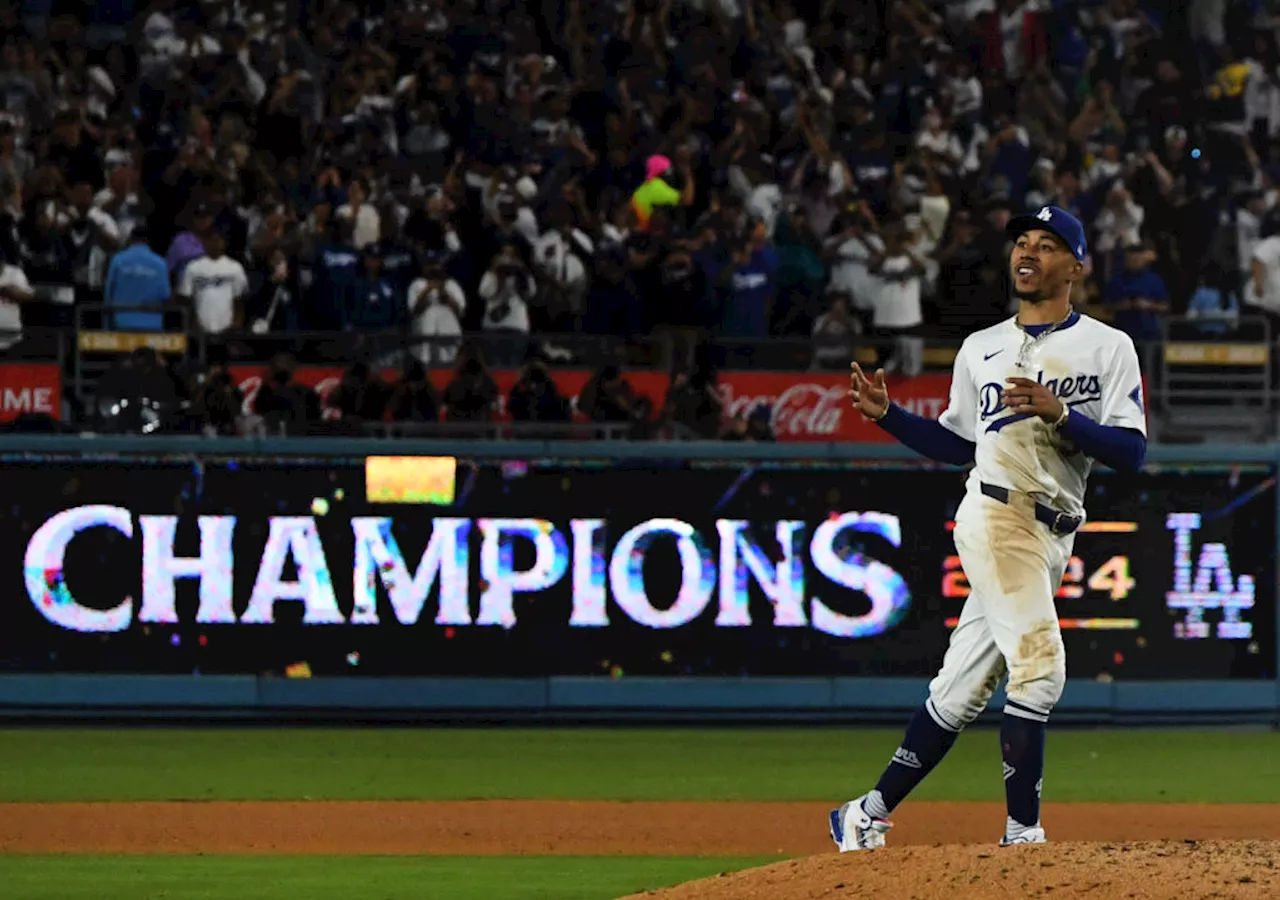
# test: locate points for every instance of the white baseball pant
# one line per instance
(1009, 623)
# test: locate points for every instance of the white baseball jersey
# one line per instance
(1090, 366)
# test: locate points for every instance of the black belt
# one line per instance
(1058, 522)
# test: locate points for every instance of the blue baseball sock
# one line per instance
(1022, 743)
(923, 747)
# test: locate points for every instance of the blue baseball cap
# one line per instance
(1057, 220)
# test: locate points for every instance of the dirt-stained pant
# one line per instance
(1009, 623)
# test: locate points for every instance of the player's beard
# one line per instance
(1047, 290)
(1039, 295)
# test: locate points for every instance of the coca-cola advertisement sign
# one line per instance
(803, 410)
(805, 406)
(814, 406)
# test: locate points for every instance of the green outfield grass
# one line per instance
(619, 764)
(346, 878)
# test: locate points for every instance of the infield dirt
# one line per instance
(512, 827)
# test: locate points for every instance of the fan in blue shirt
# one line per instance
(137, 277)
(751, 282)
(1138, 295)
(375, 303)
(336, 269)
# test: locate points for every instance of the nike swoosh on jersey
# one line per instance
(989, 355)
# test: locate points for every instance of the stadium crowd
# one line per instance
(733, 170)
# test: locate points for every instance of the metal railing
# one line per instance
(501, 431)
(1216, 379)
(98, 340)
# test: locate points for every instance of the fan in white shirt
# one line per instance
(501, 199)
(851, 252)
(215, 285)
(436, 307)
(1119, 224)
(1249, 228)
(938, 139)
(1044, 187)
(1263, 288)
(975, 153)
(506, 290)
(1106, 167)
(964, 90)
(157, 28)
(366, 222)
(760, 194)
(898, 313)
(559, 253)
(188, 41)
(14, 291)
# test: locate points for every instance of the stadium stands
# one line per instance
(660, 218)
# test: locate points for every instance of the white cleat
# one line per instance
(852, 829)
(1030, 836)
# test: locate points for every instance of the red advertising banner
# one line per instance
(807, 406)
(30, 389)
(814, 406)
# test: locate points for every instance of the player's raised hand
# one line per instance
(871, 398)
(1022, 395)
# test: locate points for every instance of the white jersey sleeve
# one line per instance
(1123, 404)
(960, 416)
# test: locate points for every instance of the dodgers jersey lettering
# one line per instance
(1090, 366)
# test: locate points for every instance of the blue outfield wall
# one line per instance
(605, 699)
(707, 699)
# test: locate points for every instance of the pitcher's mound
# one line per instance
(1148, 870)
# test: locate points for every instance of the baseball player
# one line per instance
(1034, 401)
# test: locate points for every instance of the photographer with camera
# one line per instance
(694, 404)
(361, 396)
(137, 395)
(534, 398)
(284, 404)
(436, 309)
(414, 397)
(754, 426)
(507, 290)
(472, 395)
(218, 405)
(561, 254)
(609, 399)
(898, 312)
(851, 251)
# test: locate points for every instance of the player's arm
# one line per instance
(1120, 448)
(1119, 438)
(925, 436)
